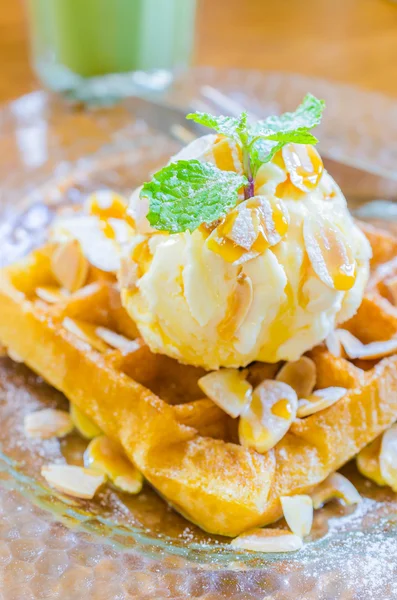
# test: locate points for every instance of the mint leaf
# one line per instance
(264, 148)
(230, 126)
(262, 151)
(270, 135)
(188, 193)
(305, 117)
(299, 136)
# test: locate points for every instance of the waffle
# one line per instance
(186, 446)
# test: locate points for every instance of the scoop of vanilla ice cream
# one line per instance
(268, 283)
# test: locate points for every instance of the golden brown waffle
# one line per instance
(183, 444)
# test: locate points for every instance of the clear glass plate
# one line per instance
(119, 546)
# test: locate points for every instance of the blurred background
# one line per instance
(353, 41)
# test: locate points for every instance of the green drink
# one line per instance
(78, 42)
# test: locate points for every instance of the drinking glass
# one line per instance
(102, 50)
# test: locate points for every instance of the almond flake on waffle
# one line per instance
(367, 461)
(105, 456)
(300, 375)
(336, 486)
(319, 400)
(185, 445)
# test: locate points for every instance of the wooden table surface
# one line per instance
(347, 40)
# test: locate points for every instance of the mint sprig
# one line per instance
(188, 193)
(230, 126)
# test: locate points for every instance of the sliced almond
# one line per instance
(256, 224)
(268, 540)
(72, 480)
(229, 389)
(116, 340)
(351, 345)
(298, 513)
(319, 400)
(333, 344)
(356, 349)
(226, 154)
(268, 416)
(70, 266)
(48, 423)
(368, 462)
(100, 241)
(238, 306)
(330, 255)
(14, 355)
(107, 457)
(83, 424)
(248, 230)
(85, 332)
(128, 274)
(106, 204)
(336, 486)
(304, 165)
(50, 294)
(271, 220)
(259, 371)
(239, 227)
(300, 375)
(138, 209)
(388, 457)
(376, 350)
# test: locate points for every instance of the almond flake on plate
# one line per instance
(300, 375)
(368, 463)
(268, 540)
(268, 416)
(72, 480)
(336, 486)
(356, 349)
(107, 457)
(319, 400)
(298, 513)
(227, 388)
(69, 265)
(388, 457)
(48, 423)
